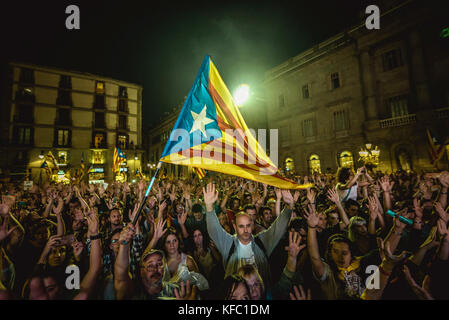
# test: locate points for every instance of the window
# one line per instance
(122, 105)
(392, 59)
(305, 91)
(122, 92)
(314, 164)
(25, 95)
(307, 128)
(340, 120)
(26, 76)
(335, 80)
(64, 117)
(289, 165)
(346, 159)
(99, 120)
(63, 137)
(24, 113)
(122, 141)
(99, 140)
(65, 82)
(398, 106)
(98, 157)
(23, 136)
(122, 122)
(99, 87)
(99, 101)
(62, 157)
(281, 101)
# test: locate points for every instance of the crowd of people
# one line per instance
(352, 235)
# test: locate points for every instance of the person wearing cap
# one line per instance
(148, 284)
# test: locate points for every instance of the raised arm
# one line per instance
(274, 233)
(88, 284)
(332, 195)
(219, 236)
(312, 242)
(122, 282)
(444, 181)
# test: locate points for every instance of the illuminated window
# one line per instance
(121, 141)
(98, 157)
(346, 159)
(99, 140)
(289, 165)
(63, 137)
(99, 87)
(315, 164)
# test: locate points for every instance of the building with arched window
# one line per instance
(384, 87)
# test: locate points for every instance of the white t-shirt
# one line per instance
(246, 254)
(343, 193)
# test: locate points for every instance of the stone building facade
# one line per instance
(71, 114)
(384, 87)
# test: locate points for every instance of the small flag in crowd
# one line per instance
(119, 157)
(435, 147)
(200, 172)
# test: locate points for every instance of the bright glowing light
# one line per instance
(241, 95)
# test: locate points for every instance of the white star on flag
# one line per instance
(200, 121)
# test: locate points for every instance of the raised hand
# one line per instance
(296, 196)
(162, 207)
(294, 239)
(418, 209)
(4, 232)
(278, 193)
(311, 194)
(78, 248)
(127, 233)
(311, 217)
(57, 210)
(182, 218)
(441, 212)
(159, 229)
(300, 294)
(388, 258)
(385, 183)
(420, 292)
(444, 179)
(186, 292)
(333, 196)
(92, 222)
(373, 208)
(288, 198)
(4, 209)
(442, 228)
(210, 196)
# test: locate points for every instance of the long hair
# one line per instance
(231, 283)
(161, 242)
(338, 237)
(343, 174)
(353, 222)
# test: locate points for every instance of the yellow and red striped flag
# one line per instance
(200, 172)
(210, 133)
(118, 158)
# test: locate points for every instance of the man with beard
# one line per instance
(148, 284)
(115, 222)
(244, 248)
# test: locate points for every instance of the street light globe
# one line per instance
(241, 95)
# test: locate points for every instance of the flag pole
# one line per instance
(150, 186)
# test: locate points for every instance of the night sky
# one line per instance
(161, 46)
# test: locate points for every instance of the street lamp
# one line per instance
(241, 95)
(369, 156)
(41, 156)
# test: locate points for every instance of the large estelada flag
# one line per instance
(211, 134)
(436, 148)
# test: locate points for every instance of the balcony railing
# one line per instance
(398, 121)
(442, 113)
